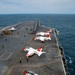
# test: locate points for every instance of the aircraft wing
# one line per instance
(30, 53)
(40, 33)
(12, 28)
(41, 39)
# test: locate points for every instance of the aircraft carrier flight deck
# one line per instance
(11, 43)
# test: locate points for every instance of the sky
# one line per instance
(37, 6)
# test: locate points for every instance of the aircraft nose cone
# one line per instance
(23, 49)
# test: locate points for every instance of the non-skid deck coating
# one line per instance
(49, 63)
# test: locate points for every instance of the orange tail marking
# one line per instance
(48, 36)
(39, 49)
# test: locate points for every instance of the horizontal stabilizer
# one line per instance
(40, 53)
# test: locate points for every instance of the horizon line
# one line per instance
(38, 13)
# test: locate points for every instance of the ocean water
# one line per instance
(65, 23)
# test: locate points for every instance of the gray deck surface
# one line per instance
(49, 63)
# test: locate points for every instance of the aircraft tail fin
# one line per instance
(39, 49)
(48, 36)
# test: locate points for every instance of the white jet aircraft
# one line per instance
(44, 33)
(29, 72)
(42, 38)
(32, 51)
(12, 29)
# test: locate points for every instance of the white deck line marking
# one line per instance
(2, 55)
(7, 57)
